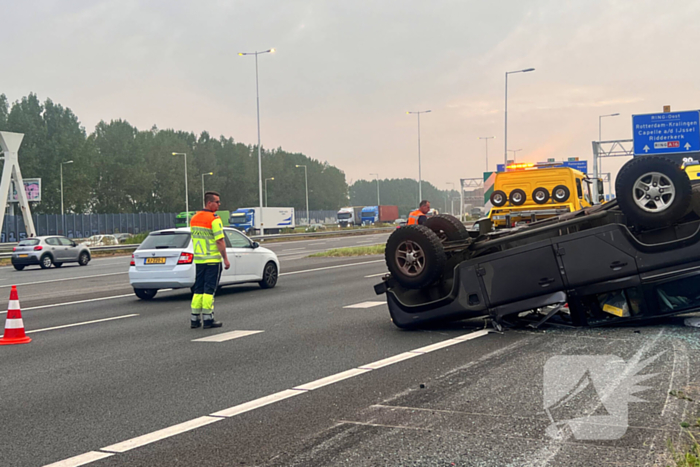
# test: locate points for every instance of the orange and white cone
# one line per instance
(14, 326)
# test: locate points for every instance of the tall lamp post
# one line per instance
(204, 203)
(271, 178)
(377, 175)
(449, 193)
(505, 142)
(63, 217)
(187, 201)
(598, 163)
(487, 138)
(257, 98)
(513, 151)
(306, 178)
(420, 190)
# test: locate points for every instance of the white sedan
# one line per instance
(165, 260)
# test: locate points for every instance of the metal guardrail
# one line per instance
(134, 246)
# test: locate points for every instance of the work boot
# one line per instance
(195, 322)
(212, 323)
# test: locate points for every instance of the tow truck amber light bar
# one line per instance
(527, 165)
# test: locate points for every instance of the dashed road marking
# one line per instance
(377, 275)
(82, 459)
(365, 305)
(226, 336)
(66, 279)
(80, 324)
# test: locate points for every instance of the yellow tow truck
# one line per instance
(530, 192)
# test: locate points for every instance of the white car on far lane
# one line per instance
(165, 260)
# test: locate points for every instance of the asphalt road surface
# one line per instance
(313, 372)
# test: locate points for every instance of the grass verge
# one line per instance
(351, 251)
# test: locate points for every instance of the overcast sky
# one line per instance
(345, 73)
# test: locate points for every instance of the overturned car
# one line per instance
(634, 258)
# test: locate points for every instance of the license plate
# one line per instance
(154, 261)
(23, 256)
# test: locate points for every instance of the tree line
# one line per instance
(120, 169)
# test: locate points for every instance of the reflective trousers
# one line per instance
(206, 281)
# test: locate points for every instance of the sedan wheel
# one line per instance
(270, 275)
(145, 294)
(83, 259)
(46, 262)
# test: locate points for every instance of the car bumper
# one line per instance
(29, 260)
(163, 280)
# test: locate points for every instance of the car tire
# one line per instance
(540, 195)
(447, 228)
(653, 191)
(498, 198)
(561, 193)
(84, 258)
(46, 261)
(518, 197)
(270, 276)
(414, 255)
(18, 267)
(146, 294)
(58, 265)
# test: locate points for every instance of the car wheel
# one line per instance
(498, 198)
(18, 267)
(518, 197)
(46, 261)
(561, 193)
(84, 258)
(447, 228)
(146, 294)
(58, 265)
(270, 276)
(540, 195)
(653, 191)
(414, 255)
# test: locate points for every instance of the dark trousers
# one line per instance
(207, 278)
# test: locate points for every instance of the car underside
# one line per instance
(634, 258)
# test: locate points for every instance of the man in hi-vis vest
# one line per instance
(420, 215)
(209, 248)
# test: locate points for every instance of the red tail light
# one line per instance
(38, 248)
(132, 260)
(185, 258)
(14, 248)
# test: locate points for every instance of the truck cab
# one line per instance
(527, 193)
(370, 215)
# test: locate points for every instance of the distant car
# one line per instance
(400, 221)
(101, 240)
(315, 227)
(121, 237)
(47, 251)
(165, 259)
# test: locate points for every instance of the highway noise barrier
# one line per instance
(14, 326)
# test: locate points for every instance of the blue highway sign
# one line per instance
(666, 133)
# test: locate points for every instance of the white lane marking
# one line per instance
(331, 267)
(226, 336)
(66, 279)
(161, 434)
(83, 323)
(82, 459)
(319, 243)
(439, 345)
(263, 401)
(77, 302)
(293, 249)
(377, 275)
(319, 383)
(257, 403)
(365, 305)
(389, 361)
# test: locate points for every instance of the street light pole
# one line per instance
(63, 217)
(597, 161)
(487, 138)
(377, 175)
(420, 189)
(505, 142)
(204, 203)
(271, 178)
(257, 98)
(187, 201)
(451, 204)
(306, 178)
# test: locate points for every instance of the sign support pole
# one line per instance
(9, 143)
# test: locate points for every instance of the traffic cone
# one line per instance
(14, 326)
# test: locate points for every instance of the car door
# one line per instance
(69, 252)
(228, 276)
(243, 254)
(54, 246)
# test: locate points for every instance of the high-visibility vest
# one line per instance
(206, 228)
(414, 216)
